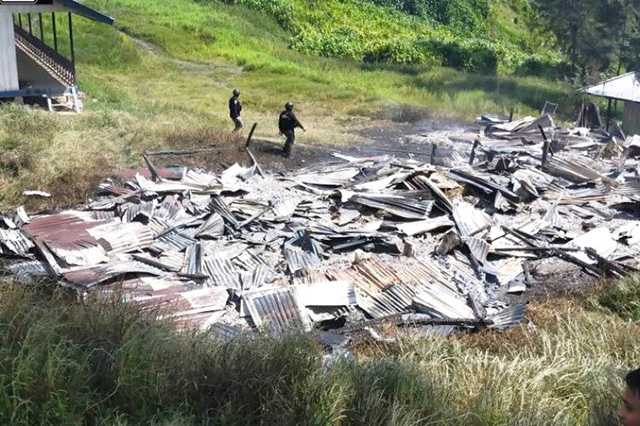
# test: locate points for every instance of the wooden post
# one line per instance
(608, 114)
(253, 129)
(20, 20)
(472, 157)
(55, 33)
(41, 27)
(545, 146)
(71, 46)
(511, 116)
(29, 20)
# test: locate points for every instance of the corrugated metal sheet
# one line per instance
(87, 278)
(15, 241)
(328, 293)
(117, 237)
(424, 226)
(478, 248)
(276, 310)
(469, 219)
(284, 207)
(508, 318)
(329, 178)
(213, 227)
(29, 271)
(298, 259)
(67, 236)
(193, 260)
(218, 205)
(225, 332)
(173, 240)
(256, 278)
(250, 260)
(624, 87)
(133, 210)
(442, 302)
(222, 273)
(377, 273)
(404, 207)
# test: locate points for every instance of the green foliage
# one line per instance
(472, 55)
(598, 36)
(470, 35)
(463, 16)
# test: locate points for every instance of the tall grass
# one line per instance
(105, 362)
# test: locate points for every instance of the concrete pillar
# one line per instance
(8, 61)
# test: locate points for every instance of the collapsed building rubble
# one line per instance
(347, 244)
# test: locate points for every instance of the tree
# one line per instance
(598, 36)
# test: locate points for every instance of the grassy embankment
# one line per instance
(173, 91)
(107, 363)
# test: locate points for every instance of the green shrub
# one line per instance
(465, 16)
(401, 52)
(474, 55)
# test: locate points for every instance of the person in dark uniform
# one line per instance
(287, 125)
(235, 108)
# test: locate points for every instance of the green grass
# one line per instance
(104, 362)
(176, 75)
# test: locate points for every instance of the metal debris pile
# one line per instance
(350, 243)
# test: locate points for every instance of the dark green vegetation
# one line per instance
(598, 36)
(103, 362)
(472, 35)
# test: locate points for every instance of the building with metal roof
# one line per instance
(32, 62)
(625, 88)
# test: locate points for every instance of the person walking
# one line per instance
(287, 124)
(235, 109)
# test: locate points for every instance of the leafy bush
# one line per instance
(474, 55)
(401, 52)
(465, 16)
(453, 33)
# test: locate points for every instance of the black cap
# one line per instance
(288, 106)
(236, 92)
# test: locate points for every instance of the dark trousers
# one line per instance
(237, 121)
(291, 139)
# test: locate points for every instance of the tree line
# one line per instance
(598, 36)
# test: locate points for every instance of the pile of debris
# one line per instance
(352, 242)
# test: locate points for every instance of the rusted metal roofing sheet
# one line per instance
(277, 310)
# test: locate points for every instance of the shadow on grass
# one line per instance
(501, 90)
